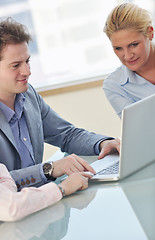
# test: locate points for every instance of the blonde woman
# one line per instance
(131, 32)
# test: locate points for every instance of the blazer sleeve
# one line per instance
(28, 177)
(61, 133)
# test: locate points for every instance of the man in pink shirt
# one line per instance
(17, 205)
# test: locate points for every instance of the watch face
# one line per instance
(47, 167)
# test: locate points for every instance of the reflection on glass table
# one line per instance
(122, 210)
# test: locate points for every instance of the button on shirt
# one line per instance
(16, 120)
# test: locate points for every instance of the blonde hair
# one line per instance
(128, 16)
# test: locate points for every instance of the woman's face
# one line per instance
(132, 48)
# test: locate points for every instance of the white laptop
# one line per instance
(137, 142)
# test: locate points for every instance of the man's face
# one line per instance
(14, 69)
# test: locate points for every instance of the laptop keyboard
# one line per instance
(110, 170)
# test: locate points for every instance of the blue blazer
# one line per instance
(44, 125)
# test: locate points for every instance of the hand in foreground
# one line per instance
(109, 146)
(76, 181)
(71, 164)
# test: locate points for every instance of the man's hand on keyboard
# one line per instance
(108, 147)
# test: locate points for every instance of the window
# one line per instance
(69, 45)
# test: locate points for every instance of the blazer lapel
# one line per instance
(5, 128)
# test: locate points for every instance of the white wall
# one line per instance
(86, 108)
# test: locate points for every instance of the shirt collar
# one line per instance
(19, 104)
(130, 76)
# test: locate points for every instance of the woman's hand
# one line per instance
(76, 181)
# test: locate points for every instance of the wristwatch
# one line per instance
(48, 169)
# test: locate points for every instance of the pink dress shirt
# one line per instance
(17, 205)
